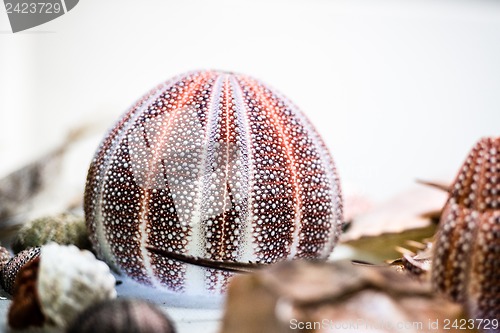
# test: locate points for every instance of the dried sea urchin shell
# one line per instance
(59, 284)
(124, 316)
(466, 261)
(212, 165)
(10, 270)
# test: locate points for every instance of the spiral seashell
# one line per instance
(124, 316)
(466, 261)
(9, 271)
(212, 165)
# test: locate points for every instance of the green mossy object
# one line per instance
(63, 229)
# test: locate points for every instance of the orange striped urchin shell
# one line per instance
(466, 263)
(212, 165)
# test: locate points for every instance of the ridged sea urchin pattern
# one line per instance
(212, 165)
(466, 262)
(9, 271)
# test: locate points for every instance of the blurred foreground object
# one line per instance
(302, 296)
(122, 316)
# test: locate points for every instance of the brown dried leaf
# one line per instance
(277, 299)
(404, 212)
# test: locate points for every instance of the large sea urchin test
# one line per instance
(212, 165)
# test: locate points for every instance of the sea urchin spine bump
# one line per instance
(466, 261)
(212, 165)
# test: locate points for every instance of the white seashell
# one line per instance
(70, 280)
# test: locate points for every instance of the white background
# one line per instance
(398, 89)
